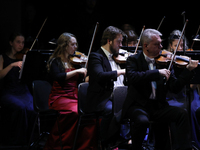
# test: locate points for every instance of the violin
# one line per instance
(78, 58)
(20, 55)
(122, 56)
(166, 57)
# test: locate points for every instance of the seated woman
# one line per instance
(64, 96)
(16, 101)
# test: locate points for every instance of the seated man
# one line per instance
(146, 98)
(104, 74)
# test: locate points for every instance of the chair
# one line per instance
(118, 97)
(41, 91)
(82, 92)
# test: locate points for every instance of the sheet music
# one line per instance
(23, 61)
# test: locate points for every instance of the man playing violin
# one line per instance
(146, 98)
(104, 75)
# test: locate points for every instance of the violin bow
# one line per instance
(24, 57)
(38, 34)
(195, 36)
(173, 56)
(139, 40)
(161, 23)
(92, 41)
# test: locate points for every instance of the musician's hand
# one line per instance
(82, 71)
(165, 73)
(121, 72)
(17, 64)
(192, 64)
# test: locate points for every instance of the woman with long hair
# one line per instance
(64, 95)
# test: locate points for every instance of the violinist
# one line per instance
(177, 99)
(16, 100)
(146, 97)
(64, 95)
(173, 40)
(104, 75)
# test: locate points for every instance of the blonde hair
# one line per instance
(62, 42)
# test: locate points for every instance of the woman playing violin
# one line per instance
(64, 95)
(16, 101)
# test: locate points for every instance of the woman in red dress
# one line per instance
(64, 97)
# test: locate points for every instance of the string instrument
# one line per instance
(123, 55)
(79, 58)
(179, 61)
(19, 55)
(168, 57)
(121, 58)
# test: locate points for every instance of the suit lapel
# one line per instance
(144, 62)
(106, 63)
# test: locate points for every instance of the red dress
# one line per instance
(65, 100)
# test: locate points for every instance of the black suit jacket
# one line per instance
(101, 81)
(139, 87)
(139, 82)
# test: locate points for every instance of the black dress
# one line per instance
(17, 107)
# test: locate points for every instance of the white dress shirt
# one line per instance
(114, 67)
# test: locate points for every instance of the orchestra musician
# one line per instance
(16, 100)
(104, 75)
(177, 99)
(65, 78)
(146, 97)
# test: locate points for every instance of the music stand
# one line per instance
(34, 67)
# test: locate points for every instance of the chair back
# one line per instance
(82, 94)
(41, 91)
(119, 96)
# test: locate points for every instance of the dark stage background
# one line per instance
(80, 16)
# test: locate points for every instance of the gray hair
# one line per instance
(148, 34)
